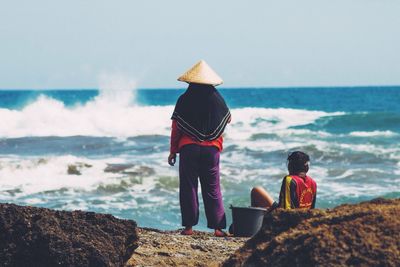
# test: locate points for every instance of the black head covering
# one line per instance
(201, 112)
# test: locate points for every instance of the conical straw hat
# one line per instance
(201, 73)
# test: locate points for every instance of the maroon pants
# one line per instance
(202, 162)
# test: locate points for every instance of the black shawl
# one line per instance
(201, 112)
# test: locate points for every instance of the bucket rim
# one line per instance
(248, 208)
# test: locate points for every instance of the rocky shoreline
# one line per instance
(32, 236)
(365, 234)
(170, 248)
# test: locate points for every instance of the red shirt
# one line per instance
(298, 192)
(179, 139)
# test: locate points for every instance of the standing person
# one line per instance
(298, 190)
(198, 121)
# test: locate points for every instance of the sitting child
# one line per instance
(297, 191)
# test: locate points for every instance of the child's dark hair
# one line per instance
(298, 162)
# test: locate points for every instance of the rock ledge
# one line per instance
(42, 237)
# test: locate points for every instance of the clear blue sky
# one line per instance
(71, 43)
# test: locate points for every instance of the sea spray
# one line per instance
(114, 112)
(117, 89)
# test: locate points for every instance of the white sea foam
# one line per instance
(32, 176)
(373, 134)
(337, 190)
(37, 181)
(114, 113)
(101, 117)
(248, 121)
(378, 149)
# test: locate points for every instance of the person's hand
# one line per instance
(172, 159)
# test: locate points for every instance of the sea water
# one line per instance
(106, 150)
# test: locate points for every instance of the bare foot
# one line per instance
(187, 231)
(220, 233)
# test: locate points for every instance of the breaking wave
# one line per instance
(118, 115)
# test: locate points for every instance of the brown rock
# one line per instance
(366, 234)
(117, 168)
(42, 237)
(75, 169)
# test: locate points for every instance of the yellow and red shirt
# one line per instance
(298, 192)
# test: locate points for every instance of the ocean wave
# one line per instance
(101, 117)
(144, 184)
(53, 175)
(108, 154)
(358, 123)
(370, 148)
(32, 176)
(117, 115)
(112, 185)
(249, 121)
(373, 134)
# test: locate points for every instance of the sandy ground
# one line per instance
(169, 248)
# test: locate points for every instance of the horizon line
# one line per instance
(225, 88)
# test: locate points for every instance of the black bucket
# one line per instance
(247, 221)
